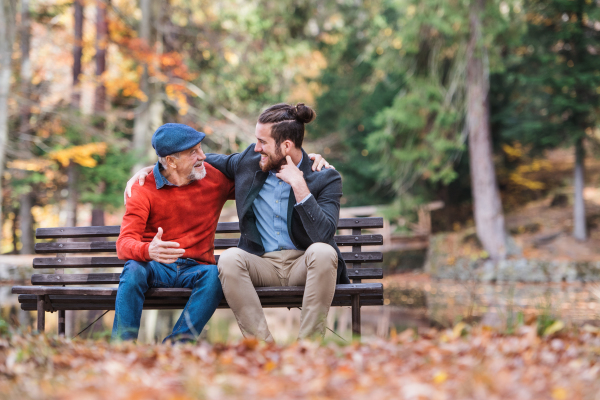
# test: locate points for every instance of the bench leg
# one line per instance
(41, 314)
(61, 323)
(356, 315)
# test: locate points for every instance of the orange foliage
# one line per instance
(459, 363)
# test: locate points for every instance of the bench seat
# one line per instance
(59, 291)
(85, 298)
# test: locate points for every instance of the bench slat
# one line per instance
(220, 244)
(77, 262)
(222, 227)
(114, 262)
(345, 289)
(113, 278)
(150, 306)
(75, 299)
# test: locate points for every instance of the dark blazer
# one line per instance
(313, 221)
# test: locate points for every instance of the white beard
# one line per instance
(197, 175)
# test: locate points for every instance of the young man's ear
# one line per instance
(287, 146)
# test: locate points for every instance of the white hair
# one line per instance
(163, 160)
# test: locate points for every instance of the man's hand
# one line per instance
(319, 162)
(164, 252)
(139, 176)
(291, 175)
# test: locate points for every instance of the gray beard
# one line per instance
(196, 176)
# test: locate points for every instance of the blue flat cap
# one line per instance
(173, 138)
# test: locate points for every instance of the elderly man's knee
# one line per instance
(231, 261)
(322, 252)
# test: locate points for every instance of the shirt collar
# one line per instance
(160, 180)
(273, 172)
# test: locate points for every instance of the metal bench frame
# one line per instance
(56, 292)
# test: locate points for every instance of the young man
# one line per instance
(288, 217)
(168, 234)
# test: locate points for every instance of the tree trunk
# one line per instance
(579, 228)
(25, 72)
(141, 125)
(73, 197)
(77, 54)
(7, 37)
(26, 199)
(15, 236)
(72, 200)
(101, 46)
(91, 315)
(489, 217)
(97, 217)
(26, 223)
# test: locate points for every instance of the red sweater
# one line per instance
(187, 214)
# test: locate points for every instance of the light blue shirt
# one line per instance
(270, 208)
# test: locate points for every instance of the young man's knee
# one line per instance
(231, 261)
(322, 252)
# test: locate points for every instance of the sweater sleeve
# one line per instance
(231, 185)
(129, 243)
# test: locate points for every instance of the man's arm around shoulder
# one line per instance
(228, 165)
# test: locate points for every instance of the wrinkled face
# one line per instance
(191, 163)
(271, 155)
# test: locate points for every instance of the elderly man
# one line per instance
(168, 234)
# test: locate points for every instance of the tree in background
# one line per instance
(434, 59)
(487, 205)
(8, 10)
(554, 85)
(27, 196)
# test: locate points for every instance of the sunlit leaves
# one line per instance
(81, 155)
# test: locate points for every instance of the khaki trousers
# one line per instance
(315, 268)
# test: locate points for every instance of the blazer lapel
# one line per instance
(259, 180)
(290, 211)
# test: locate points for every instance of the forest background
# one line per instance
(452, 100)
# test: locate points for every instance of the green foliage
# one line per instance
(396, 92)
(4, 328)
(349, 105)
(553, 79)
(103, 185)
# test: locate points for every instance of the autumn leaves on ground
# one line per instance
(465, 363)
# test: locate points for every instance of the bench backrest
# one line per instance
(86, 245)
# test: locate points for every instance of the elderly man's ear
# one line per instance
(171, 162)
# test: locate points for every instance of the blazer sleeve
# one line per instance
(320, 213)
(227, 165)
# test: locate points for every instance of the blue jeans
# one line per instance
(138, 277)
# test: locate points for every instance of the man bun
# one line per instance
(304, 113)
(288, 121)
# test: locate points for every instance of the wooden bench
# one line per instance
(60, 291)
